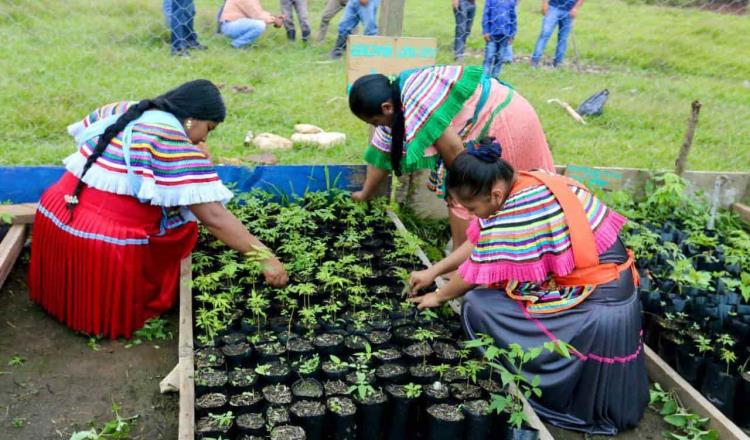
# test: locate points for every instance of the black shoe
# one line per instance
(339, 48)
(181, 52)
(290, 35)
(197, 46)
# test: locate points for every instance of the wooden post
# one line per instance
(391, 20)
(679, 164)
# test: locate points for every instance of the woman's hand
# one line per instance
(275, 273)
(420, 279)
(204, 149)
(428, 301)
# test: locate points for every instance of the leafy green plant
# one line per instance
(16, 361)
(263, 369)
(688, 426)
(224, 419)
(93, 343)
(413, 390)
(361, 386)
(118, 428)
(310, 365)
(18, 422)
(703, 344)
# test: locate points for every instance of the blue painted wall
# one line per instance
(26, 184)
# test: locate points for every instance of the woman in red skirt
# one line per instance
(110, 234)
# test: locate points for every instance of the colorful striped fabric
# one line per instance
(528, 240)
(173, 171)
(431, 98)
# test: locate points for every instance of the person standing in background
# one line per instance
(463, 11)
(499, 23)
(287, 9)
(184, 37)
(332, 8)
(556, 13)
(356, 11)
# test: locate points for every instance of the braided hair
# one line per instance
(366, 98)
(199, 99)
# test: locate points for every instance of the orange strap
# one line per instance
(600, 274)
(581, 235)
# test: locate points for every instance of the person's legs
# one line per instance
(548, 26)
(501, 43)
(566, 26)
(464, 15)
(490, 56)
(349, 21)
(286, 10)
(369, 16)
(166, 8)
(179, 24)
(508, 53)
(243, 31)
(302, 17)
(331, 9)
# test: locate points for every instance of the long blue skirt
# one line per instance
(603, 388)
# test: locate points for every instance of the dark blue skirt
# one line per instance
(603, 388)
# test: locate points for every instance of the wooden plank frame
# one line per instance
(10, 249)
(22, 213)
(185, 365)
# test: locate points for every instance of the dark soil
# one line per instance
(278, 394)
(278, 369)
(210, 378)
(271, 349)
(397, 390)
(390, 370)
(328, 340)
(236, 349)
(387, 354)
(309, 388)
(233, 338)
(251, 421)
(242, 377)
(277, 415)
(462, 391)
(445, 351)
(208, 357)
(443, 411)
(332, 367)
(211, 400)
(373, 398)
(422, 370)
(378, 337)
(342, 406)
(308, 408)
(477, 407)
(208, 424)
(335, 387)
(299, 345)
(419, 350)
(438, 391)
(355, 342)
(650, 428)
(288, 433)
(64, 385)
(248, 398)
(352, 377)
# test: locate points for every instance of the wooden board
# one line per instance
(23, 213)
(185, 354)
(533, 419)
(660, 371)
(10, 249)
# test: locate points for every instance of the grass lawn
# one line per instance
(60, 60)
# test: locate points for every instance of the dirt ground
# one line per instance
(64, 385)
(650, 428)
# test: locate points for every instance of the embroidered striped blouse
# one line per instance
(174, 173)
(528, 240)
(431, 98)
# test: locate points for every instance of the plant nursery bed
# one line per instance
(338, 352)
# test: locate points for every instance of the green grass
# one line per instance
(60, 60)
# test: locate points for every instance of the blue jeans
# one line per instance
(493, 55)
(243, 31)
(554, 17)
(181, 24)
(464, 19)
(166, 8)
(508, 54)
(354, 13)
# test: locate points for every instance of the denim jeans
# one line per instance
(507, 54)
(181, 24)
(554, 17)
(355, 13)
(464, 19)
(493, 55)
(243, 31)
(166, 8)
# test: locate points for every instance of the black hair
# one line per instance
(474, 172)
(199, 99)
(367, 95)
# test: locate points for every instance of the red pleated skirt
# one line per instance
(105, 268)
